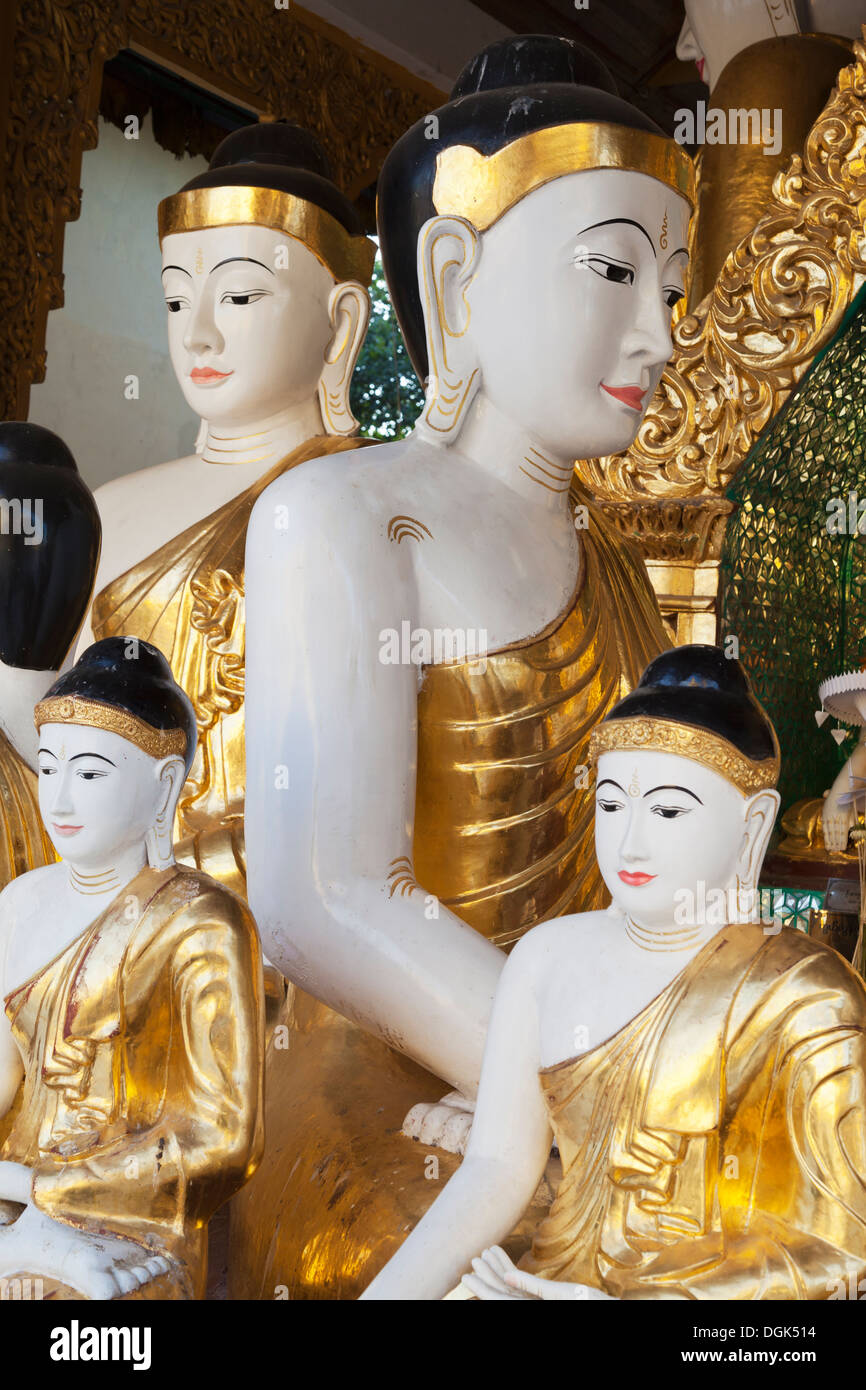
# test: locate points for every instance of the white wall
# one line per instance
(112, 324)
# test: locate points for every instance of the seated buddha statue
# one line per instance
(132, 1039)
(264, 274)
(49, 546)
(703, 1072)
(437, 630)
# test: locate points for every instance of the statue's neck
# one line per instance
(511, 455)
(265, 441)
(100, 882)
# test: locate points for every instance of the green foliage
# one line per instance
(385, 396)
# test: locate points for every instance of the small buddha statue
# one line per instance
(132, 1039)
(265, 270)
(49, 546)
(437, 630)
(703, 1071)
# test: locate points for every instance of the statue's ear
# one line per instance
(349, 314)
(171, 775)
(449, 249)
(760, 817)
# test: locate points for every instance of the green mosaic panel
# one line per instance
(793, 593)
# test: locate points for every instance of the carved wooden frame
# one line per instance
(277, 62)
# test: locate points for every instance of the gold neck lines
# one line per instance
(649, 939)
(88, 884)
(263, 447)
(555, 477)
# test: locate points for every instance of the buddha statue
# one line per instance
(49, 546)
(132, 1040)
(264, 272)
(436, 631)
(703, 1072)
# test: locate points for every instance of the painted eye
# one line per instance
(610, 805)
(669, 812)
(249, 298)
(89, 776)
(618, 272)
(47, 771)
(174, 305)
(672, 296)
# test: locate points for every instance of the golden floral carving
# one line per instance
(277, 62)
(779, 298)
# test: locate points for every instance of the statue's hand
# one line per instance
(97, 1267)
(836, 820)
(443, 1124)
(495, 1277)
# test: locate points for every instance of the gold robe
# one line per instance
(24, 844)
(503, 836)
(715, 1148)
(188, 600)
(140, 1111)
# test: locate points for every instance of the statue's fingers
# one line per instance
(455, 1132)
(497, 1257)
(484, 1290)
(528, 1283)
(412, 1122)
(433, 1123)
(125, 1279)
(484, 1271)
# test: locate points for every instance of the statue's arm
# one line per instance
(505, 1158)
(330, 762)
(11, 1066)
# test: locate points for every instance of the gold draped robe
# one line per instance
(140, 1111)
(504, 815)
(715, 1147)
(187, 599)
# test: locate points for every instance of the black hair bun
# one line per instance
(530, 59)
(282, 156)
(700, 686)
(134, 676)
(49, 546)
(273, 142)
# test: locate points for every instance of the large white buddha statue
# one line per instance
(264, 272)
(132, 1036)
(433, 633)
(703, 1071)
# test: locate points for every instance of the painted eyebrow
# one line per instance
(176, 267)
(93, 755)
(669, 787)
(612, 783)
(251, 259)
(625, 221)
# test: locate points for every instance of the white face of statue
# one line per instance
(248, 322)
(666, 827)
(715, 31)
(570, 307)
(99, 794)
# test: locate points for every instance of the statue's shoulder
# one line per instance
(189, 898)
(790, 971)
(345, 490)
(546, 946)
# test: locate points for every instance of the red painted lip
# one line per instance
(206, 376)
(631, 396)
(701, 64)
(67, 829)
(635, 880)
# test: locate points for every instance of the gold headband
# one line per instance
(73, 709)
(686, 741)
(483, 187)
(347, 257)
